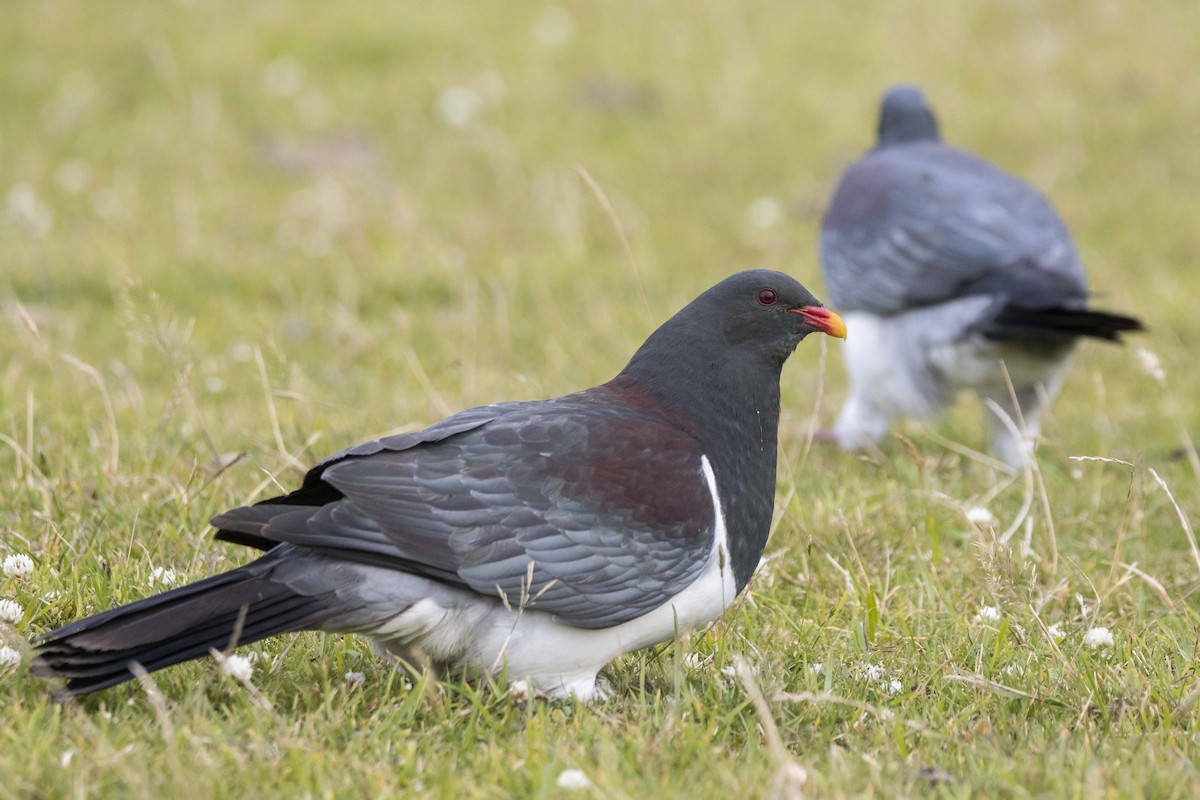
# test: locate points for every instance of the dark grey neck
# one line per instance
(908, 125)
(730, 405)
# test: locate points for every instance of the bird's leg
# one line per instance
(1024, 408)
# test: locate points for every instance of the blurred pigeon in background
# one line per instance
(541, 538)
(946, 268)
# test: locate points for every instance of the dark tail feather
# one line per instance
(1061, 324)
(176, 626)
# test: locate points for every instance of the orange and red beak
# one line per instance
(823, 320)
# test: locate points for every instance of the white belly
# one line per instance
(470, 633)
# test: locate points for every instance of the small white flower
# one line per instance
(693, 661)
(282, 77)
(987, 614)
(1151, 365)
(163, 575)
(18, 565)
(573, 779)
(1098, 638)
(458, 105)
(895, 687)
(26, 208)
(553, 26)
(764, 212)
(817, 668)
(1014, 669)
(729, 672)
(1056, 633)
(238, 667)
(9, 658)
(11, 611)
(872, 672)
(520, 689)
(978, 515)
(74, 176)
(64, 760)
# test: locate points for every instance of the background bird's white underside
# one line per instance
(474, 634)
(914, 364)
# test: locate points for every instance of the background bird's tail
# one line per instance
(1064, 324)
(236, 607)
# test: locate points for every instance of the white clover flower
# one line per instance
(458, 105)
(238, 667)
(9, 658)
(1098, 638)
(978, 515)
(26, 208)
(817, 668)
(764, 212)
(553, 26)
(1056, 633)
(987, 614)
(18, 565)
(282, 77)
(872, 672)
(163, 575)
(895, 687)
(74, 176)
(11, 611)
(573, 779)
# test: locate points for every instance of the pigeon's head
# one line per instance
(754, 315)
(748, 323)
(905, 116)
(767, 309)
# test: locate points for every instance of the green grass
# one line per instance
(214, 244)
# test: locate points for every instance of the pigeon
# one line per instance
(954, 276)
(536, 539)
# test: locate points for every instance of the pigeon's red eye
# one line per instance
(766, 297)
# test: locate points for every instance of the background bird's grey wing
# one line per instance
(920, 224)
(593, 517)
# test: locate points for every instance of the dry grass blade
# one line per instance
(980, 682)
(790, 777)
(602, 198)
(1183, 520)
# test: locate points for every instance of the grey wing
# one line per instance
(921, 224)
(551, 511)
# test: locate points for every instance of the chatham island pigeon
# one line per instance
(541, 539)
(954, 275)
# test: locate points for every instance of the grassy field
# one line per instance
(235, 237)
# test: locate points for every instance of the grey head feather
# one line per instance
(906, 116)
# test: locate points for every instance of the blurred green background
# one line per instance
(235, 237)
